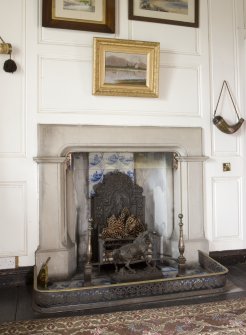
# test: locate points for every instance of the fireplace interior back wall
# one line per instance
(152, 171)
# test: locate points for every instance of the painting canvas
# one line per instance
(177, 6)
(126, 68)
(178, 12)
(78, 10)
(79, 5)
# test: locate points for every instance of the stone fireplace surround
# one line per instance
(55, 142)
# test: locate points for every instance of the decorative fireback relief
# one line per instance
(118, 212)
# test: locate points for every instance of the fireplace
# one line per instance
(62, 213)
(84, 233)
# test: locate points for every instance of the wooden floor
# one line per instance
(16, 302)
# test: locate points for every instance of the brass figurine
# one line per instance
(133, 252)
(42, 278)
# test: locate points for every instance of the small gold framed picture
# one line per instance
(126, 68)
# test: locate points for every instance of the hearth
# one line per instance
(79, 225)
(207, 277)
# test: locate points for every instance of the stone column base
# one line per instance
(191, 249)
(62, 263)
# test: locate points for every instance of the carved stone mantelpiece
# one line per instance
(56, 141)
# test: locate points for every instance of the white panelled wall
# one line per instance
(53, 84)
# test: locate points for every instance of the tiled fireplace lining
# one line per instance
(55, 142)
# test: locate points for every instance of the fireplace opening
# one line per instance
(124, 194)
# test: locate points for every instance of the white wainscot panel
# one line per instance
(11, 116)
(224, 144)
(11, 94)
(66, 87)
(224, 65)
(64, 84)
(226, 208)
(69, 37)
(178, 39)
(179, 90)
(223, 43)
(12, 218)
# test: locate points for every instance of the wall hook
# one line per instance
(6, 49)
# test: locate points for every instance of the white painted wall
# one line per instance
(53, 84)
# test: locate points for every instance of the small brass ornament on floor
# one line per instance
(43, 277)
(219, 121)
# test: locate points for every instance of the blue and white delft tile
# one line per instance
(102, 163)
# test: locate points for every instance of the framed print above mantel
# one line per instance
(126, 68)
(88, 15)
(176, 12)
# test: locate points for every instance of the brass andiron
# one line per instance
(42, 279)
(181, 258)
(88, 265)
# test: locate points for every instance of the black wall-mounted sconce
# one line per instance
(6, 49)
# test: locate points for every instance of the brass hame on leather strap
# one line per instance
(219, 121)
(6, 48)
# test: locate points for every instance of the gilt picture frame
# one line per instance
(175, 12)
(88, 15)
(126, 68)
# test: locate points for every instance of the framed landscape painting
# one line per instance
(126, 68)
(177, 12)
(89, 15)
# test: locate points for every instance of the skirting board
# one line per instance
(229, 257)
(16, 277)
